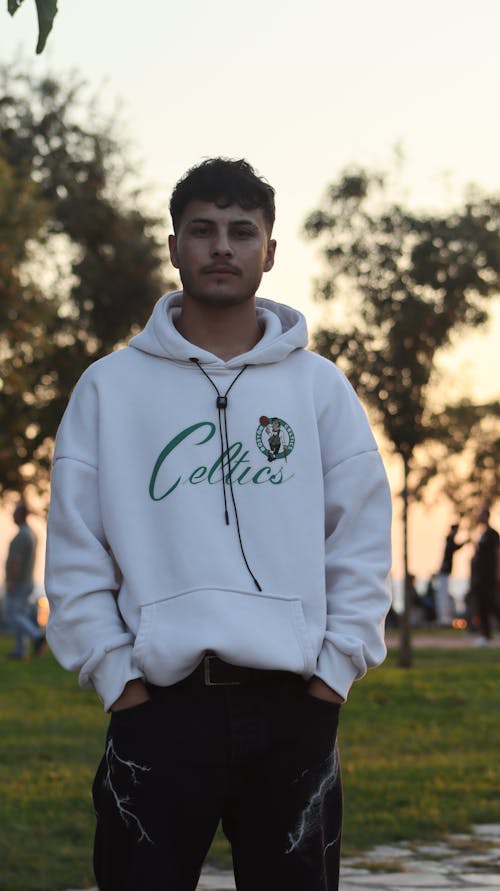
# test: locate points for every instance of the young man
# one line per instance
(232, 477)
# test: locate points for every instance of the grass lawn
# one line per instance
(419, 753)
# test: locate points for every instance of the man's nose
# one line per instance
(221, 245)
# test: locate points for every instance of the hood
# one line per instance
(284, 330)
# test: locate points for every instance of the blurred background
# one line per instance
(377, 124)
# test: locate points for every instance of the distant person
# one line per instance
(484, 579)
(444, 601)
(416, 607)
(429, 601)
(19, 586)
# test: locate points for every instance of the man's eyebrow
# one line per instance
(245, 221)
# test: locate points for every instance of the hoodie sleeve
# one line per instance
(357, 542)
(85, 629)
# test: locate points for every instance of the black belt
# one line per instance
(214, 672)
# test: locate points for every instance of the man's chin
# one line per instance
(205, 298)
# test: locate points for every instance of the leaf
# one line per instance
(46, 10)
(13, 5)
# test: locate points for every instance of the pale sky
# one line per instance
(301, 90)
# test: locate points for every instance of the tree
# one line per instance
(466, 458)
(412, 283)
(81, 264)
(46, 12)
(22, 214)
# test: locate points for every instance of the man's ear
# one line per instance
(172, 246)
(271, 250)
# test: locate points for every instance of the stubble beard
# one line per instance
(208, 298)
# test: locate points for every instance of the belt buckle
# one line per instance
(207, 675)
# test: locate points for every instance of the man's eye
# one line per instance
(200, 230)
(244, 233)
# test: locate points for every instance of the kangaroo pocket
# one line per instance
(255, 630)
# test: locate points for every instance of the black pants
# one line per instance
(261, 758)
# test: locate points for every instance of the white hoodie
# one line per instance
(295, 580)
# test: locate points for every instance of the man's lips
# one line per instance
(221, 270)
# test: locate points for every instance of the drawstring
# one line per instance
(221, 404)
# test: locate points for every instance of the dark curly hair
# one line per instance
(223, 182)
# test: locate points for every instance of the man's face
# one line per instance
(221, 252)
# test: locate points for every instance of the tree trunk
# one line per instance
(405, 654)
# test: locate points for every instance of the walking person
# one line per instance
(485, 579)
(444, 602)
(19, 587)
(232, 477)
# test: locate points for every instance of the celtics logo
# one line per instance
(275, 438)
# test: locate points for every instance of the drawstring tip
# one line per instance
(227, 518)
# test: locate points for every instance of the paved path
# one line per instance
(450, 641)
(462, 863)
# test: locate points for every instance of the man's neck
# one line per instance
(225, 331)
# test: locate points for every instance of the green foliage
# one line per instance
(418, 749)
(22, 216)
(83, 263)
(46, 13)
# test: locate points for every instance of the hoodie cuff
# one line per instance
(336, 670)
(112, 673)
